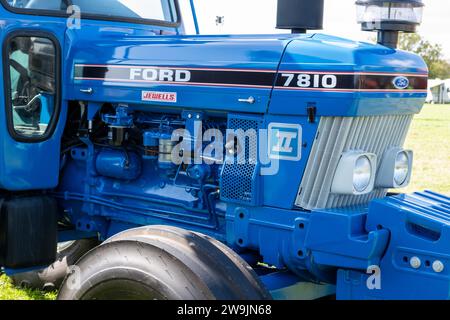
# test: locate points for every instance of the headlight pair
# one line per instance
(357, 172)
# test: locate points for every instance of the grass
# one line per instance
(9, 292)
(429, 138)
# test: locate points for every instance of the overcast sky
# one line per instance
(258, 16)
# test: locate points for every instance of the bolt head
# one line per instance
(438, 266)
(415, 262)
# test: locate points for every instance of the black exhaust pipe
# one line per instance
(300, 15)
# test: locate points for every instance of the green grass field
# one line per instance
(429, 138)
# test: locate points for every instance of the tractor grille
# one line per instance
(239, 182)
(340, 134)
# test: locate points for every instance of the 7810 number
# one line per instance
(303, 80)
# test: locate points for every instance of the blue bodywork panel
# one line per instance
(308, 243)
(279, 54)
(419, 228)
(278, 193)
(206, 52)
(17, 172)
(328, 54)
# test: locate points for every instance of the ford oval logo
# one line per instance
(401, 83)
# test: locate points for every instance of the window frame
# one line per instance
(89, 16)
(7, 85)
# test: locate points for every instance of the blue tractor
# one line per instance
(215, 167)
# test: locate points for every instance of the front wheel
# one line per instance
(162, 263)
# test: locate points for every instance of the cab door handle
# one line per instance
(87, 91)
(249, 100)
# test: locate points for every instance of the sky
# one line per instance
(259, 16)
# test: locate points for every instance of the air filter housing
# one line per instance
(389, 18)
(300, 15)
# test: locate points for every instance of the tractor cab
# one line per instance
(36, 73)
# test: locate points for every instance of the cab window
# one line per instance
(161, 10)
(32, 86)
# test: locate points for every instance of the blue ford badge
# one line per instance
(401, 83)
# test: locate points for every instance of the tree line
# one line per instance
(431, 53)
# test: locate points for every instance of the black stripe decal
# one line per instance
(386, 82)
(181, 76)
(289, 80)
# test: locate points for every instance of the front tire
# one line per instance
(163, 263)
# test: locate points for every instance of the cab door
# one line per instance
(32, 112)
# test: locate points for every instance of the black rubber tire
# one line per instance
(51, 278)
(163, 263)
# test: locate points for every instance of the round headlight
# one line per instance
(401, 171)
(362, 174)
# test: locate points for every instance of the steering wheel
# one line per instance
(23, 104)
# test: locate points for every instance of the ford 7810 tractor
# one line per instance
(215, 167)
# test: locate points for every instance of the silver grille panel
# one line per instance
(337, 135)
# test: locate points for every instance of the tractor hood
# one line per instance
(253, 74)
(194, 72)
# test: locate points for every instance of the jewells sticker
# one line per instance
(157, 96)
